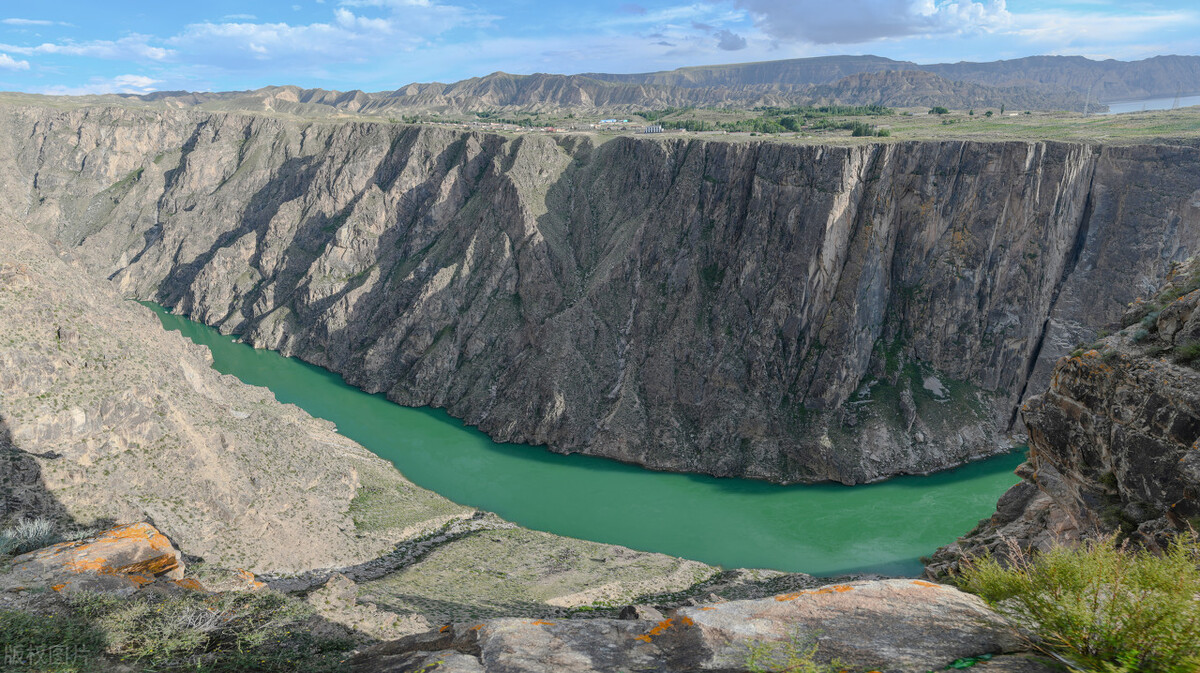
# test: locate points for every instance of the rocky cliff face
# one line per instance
(765, 310)
(1115, 441)
(106, 418)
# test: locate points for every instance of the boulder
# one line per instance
(882, 625)
(119, 560)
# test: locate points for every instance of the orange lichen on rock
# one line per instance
(927, 585)
(837, 588)
(447, 628)
(58, 587)
(643, 638)
(708, 608)
(140, 580)
(543, 623)
(476, 627)
(661, 627)
(250, 579)
(136, 548)
(190, 584)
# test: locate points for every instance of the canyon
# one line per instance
(778, 311)
(767, 310)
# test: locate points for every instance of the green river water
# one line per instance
(824, 529)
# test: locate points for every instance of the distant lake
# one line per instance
(1151, 104)
(821, 529)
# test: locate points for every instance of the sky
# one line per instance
(75, 47)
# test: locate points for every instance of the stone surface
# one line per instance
(643, 612)
(122, 421)
(885, 625)
(120, 560)
(751, 309)
(1115, 440)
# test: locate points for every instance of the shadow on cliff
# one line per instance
(23, 491)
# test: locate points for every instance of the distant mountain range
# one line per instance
(1033, 83)
(1106, 81)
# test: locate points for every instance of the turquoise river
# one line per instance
(824, 529)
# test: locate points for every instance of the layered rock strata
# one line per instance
(793, 313)
(1114, 443)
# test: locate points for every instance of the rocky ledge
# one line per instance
(1114, 444)
(873, 625)
(881, 625)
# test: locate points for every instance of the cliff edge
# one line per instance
(1114, 444)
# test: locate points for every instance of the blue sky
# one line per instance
(71, 47)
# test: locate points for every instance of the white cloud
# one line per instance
(1067, 29)
(27, 22)
(9, 63)
(857, 21)
(130, 48)
(134, 84)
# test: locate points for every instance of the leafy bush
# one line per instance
(938, 110)
(1108, 608)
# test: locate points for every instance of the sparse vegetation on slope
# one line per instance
(1108, 609)
(193, 631)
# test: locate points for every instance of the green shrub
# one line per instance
(1189, 352)
(28, 535)
(938, 110)
(1107, 608)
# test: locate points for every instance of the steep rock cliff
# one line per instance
(776, 311)
(1115, 440)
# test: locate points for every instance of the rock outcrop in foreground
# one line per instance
(776, 311)
(1115, 442)
(120, 560)
(882, 625)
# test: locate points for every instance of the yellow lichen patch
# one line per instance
(542, 623)
(155, 566)
(790, 597)
(927, 585)
(251, 579)
(444, 629)
(708, 608)
(686, 621)
(95, 565)
(661, 627)
(59, 587)
(842, 588)
(476, 627)
(141, 580)
(190, 584)
(643, 638)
